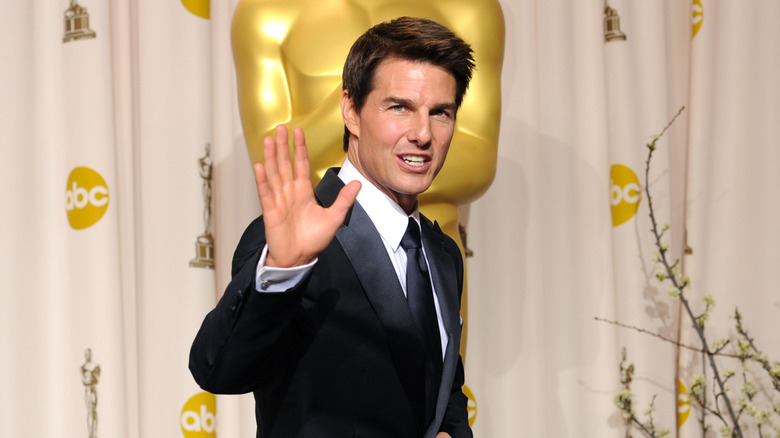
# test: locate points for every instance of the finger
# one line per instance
(301, 155)
(345, 200)
(270, 168)
(283, 154)
(264, 192)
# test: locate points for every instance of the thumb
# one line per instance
(346, 199)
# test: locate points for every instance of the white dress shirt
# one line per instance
(388, 218)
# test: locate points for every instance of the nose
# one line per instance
(420, 130)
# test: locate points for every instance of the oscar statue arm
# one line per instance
(281, 80)
(263, 95)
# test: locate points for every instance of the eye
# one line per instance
(441, 113)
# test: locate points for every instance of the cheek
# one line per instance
(441, 157)
(382, 134)
(445, 150)
(443, 133)
(445, 141)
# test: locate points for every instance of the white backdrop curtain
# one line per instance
(126, 113)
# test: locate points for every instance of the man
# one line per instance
(335, 318)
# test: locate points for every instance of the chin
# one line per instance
(411, 186)
(416, 191)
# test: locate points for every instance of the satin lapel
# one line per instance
(368, 257)
(445, 283)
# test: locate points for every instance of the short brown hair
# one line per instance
(408, 38)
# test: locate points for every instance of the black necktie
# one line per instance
(420, 297)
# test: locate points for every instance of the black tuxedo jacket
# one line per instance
(337, 355)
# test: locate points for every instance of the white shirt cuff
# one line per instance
(274, 280)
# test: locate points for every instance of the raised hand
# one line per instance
(296, 227)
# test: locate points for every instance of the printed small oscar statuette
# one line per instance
(204, 244)
(89, 378)
(77, 23)
(612, 30)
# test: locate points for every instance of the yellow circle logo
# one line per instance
(198, 7)
(683, 405)
(471, 406)
(698, 16)
(199, 416)
(624, 187)
(86, 198)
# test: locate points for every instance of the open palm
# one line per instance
(297, 228)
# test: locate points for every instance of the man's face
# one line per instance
(404, 129)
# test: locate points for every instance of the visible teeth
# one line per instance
(414, 160)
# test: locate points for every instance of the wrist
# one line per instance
(272, 262)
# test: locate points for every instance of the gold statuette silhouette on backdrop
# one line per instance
(89, 378)
(289, 56)
(204, 244)
(77, 23)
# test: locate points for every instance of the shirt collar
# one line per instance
(388, 217)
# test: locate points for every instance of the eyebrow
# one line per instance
(395, 100)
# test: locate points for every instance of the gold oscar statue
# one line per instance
(289, 56)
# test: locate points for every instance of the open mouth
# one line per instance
(413, 160)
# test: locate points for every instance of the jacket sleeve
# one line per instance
(238, 339)
(456, 420)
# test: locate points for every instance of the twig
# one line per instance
(665, 339)
(698, 323)
(757, 357)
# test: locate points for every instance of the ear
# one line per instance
(349, 114)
